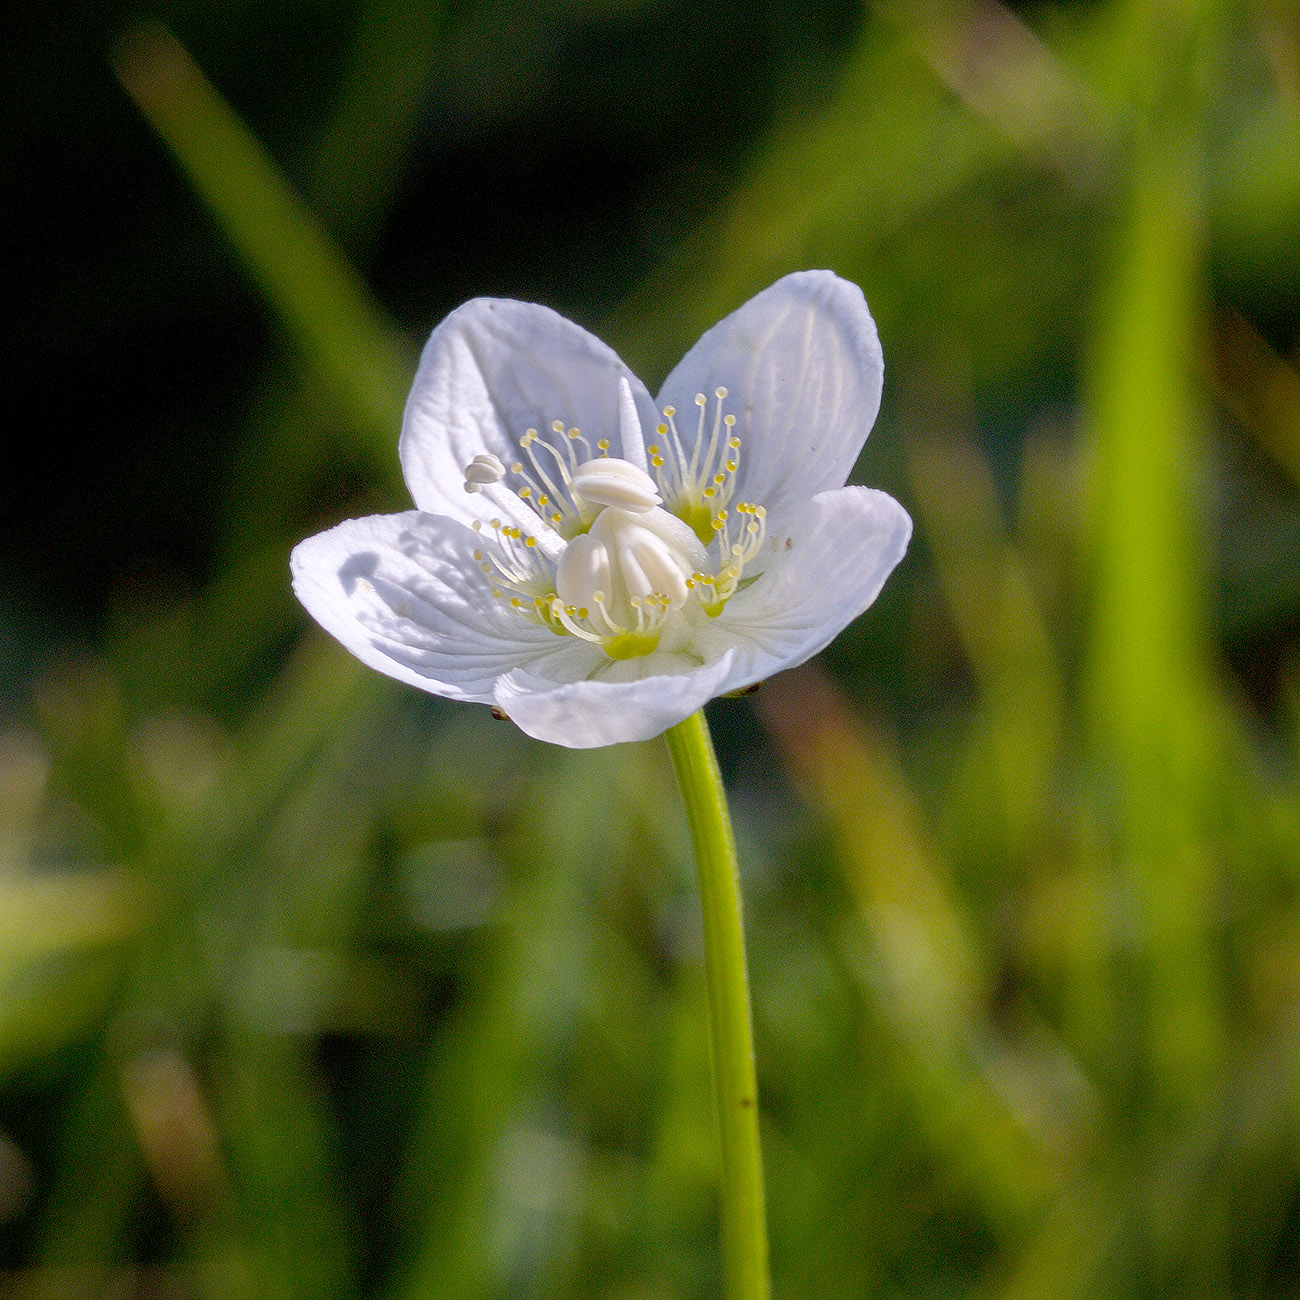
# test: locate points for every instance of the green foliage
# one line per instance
(313, 988)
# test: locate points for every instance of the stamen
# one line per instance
(694, 487)
(526, 444)
(680, 462)
(701, 402)
(712, 591)
(484, 468)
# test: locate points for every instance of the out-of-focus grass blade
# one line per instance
(1006, 808)
(173, 1126)
(326, 309)
(1003, 632)
(205, 859)
(478, 1082)
(933, 977)
(80, 1240)
(937, 966)
(1149, 682)
(1262, 389)
(57, 911)
(320, 298)
(1006, 75)
(275, 1123)
(817, 194)
(61, 933)
(351, 180)
(361, 152)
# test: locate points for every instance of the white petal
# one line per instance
(802, 366)
(849, 541)
(492, 370)
(582, 715)
(405, 595)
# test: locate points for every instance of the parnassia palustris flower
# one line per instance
(596, 564)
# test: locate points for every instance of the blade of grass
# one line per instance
(361, 152)
(351, 182)
(485, 1066)
(815, 194)
(323, 302)
(1003, 633)
(1148, 664)
(926, 965)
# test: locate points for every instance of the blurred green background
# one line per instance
(312, 986)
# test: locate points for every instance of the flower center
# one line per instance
(592, 546)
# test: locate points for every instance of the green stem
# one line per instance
(744, 1228)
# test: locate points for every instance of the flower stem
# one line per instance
(744, 1228)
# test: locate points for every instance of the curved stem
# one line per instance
(744, 1228)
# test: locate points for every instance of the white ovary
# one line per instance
(627, 558)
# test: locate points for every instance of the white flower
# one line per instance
(598, 565)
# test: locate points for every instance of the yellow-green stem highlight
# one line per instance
(744, 1227)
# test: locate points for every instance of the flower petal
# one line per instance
(802, 366)
(406, 596)
(582, 715)
(492, 370)
(850, 540)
